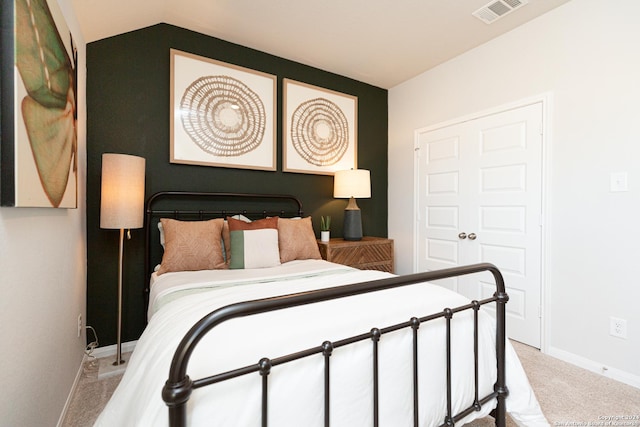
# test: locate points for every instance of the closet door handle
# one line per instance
(462, 235)
(472, 236)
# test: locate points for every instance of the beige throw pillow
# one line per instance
(192, 245)
(297, 240)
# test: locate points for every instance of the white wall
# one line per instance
(585, 53)
(42, 291)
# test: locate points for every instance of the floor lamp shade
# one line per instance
(122, 198)
(352, 184)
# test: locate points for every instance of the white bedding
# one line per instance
(296, 389)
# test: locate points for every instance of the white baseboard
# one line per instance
(593, 366)
(110, 350)
(73, 389)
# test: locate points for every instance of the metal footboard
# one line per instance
(179, 386)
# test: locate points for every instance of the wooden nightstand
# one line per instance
(370, 253)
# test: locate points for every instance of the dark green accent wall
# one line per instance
(128, 112)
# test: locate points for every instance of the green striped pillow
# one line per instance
(254, 244)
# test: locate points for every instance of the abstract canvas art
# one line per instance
(39, 98)
(222, 115)
(319, 129)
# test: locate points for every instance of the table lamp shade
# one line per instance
(352, 183)
(122, 198)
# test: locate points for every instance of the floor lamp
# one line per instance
(352, 184)
(121, 207)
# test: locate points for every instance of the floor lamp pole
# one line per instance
(119, 360)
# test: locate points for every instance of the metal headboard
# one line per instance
(209, 206)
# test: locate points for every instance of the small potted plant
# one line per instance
(325, 228)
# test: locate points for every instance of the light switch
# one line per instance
(619, 181)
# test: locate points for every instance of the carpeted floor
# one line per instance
(91, 393)
(568, 395)
(572, 396)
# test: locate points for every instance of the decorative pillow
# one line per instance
(192, 245)
(297, 240)
(254, 244)
(226, 238)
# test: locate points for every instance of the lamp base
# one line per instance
(352, 228)
(108, 368)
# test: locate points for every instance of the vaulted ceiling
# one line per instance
(380, 42)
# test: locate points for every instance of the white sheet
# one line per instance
(296, 396)
(169, 286)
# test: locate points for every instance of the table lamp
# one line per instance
(352, 184)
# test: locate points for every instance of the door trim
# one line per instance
(546, 99)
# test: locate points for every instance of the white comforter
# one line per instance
(178, 300)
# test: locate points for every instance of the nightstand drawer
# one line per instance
(370, 253)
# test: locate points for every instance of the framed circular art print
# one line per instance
(222, 114)
(319, 129)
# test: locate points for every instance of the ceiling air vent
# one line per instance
(497, 9)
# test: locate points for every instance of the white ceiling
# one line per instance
(380, 42)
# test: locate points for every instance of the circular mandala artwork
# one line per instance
(223, 116)
(320, 132)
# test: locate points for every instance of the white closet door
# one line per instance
(480, 200)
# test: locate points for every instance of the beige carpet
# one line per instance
(572, 396)
(91, 395)
(568, 395)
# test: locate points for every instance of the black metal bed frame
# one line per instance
(179, 386)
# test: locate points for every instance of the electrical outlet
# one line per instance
(619, 181)
(618, 327)
(79, 325)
